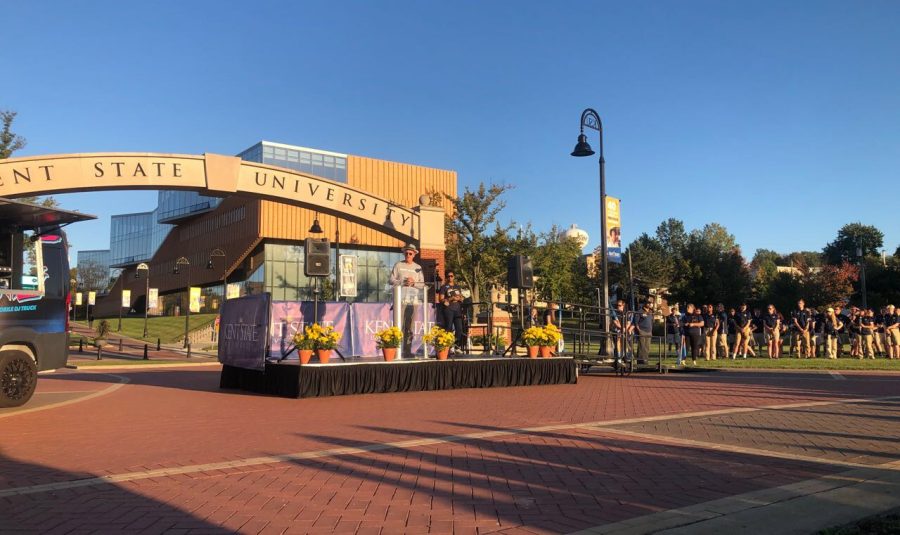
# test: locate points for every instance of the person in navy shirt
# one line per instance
(867, 333)
(801, 324)
(710, 331)
(693, 330)
(722, 331)
(892, 331)
(832, 328)
(772, 328)
(743, 323)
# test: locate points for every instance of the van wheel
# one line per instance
(18, 377)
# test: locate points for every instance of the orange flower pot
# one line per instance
(324, 355)
(533, 351)
(305, 355)
(545, 351)
(443, 353)
(390, 353)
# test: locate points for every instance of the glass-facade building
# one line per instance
(330, 165)
(134, 238)
(176, 205)
(93, 269)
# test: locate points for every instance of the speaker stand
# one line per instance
(316, 302)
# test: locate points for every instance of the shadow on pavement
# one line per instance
(105, 507)
(554, 481)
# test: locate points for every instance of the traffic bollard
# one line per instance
(145, 353)
(120, 344)
(99, 353)
(81, 345)
(158, 344)
(189, 350)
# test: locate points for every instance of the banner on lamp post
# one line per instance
(92, 298)
(126, 298)
(348, 265)
(613, 230)
(233, 291)
(195, 299)
(78, 299)
(153, 299)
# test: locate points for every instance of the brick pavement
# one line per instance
(528, 464)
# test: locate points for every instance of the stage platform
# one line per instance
(365, 376)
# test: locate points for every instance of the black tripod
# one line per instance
(517, 339)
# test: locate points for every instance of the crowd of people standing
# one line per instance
(711, 333)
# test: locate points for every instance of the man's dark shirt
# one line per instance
(449, 291)
(692, 318)
(770, 320)
(758, 323)
(742, 318)
(803, 317)
(723, 322)
(866, 321)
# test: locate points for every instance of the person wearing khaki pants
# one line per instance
(801, 325)
(722, 331)
(892, 331)
(867, 333)
(709, 329)
(742, 332)
(772, 327)
(833, 326)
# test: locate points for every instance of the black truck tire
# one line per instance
(18, 377)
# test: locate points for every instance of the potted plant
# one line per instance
(304, 344)
(552, 335)
(388, 341)
(102, 332)
(533, 337)
(324, 340)
(442, 341)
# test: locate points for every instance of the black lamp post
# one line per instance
(591, 119)
(137, 274)
(121, 294)
(187, 293)
(862, 274)
(219, 253)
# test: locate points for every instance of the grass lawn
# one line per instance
(167, 328)
(785, 363)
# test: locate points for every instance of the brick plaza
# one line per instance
(165, 450)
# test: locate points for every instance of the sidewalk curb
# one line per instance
(155, 366)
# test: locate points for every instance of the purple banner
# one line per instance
(289, 317)
(243, 326)
(367, 318)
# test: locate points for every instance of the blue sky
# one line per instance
(778, 120)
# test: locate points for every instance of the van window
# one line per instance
(22, 261)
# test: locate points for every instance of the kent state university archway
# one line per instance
(218, 175)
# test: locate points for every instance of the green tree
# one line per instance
(849, 238)
(712, 268)
(557, 260)
(811, 259)
(672, 237)
(830, 285)
(883, 282)
(764, 267)
(652, 265)
(784, 292)
(471, 244)
(10, 142)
